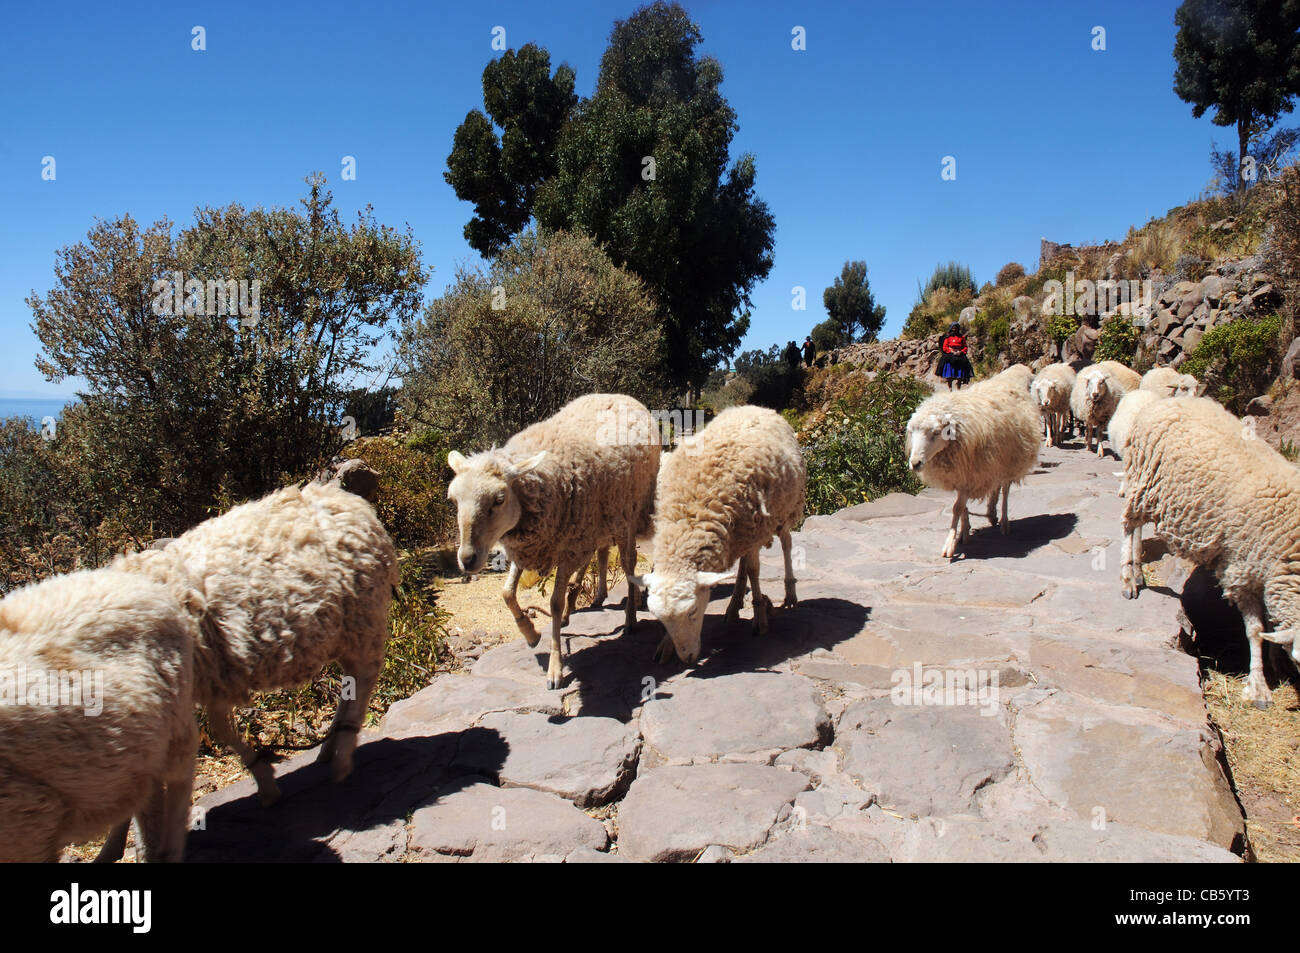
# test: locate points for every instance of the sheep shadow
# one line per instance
(615, 673)
(390, 778)
(1028, 534)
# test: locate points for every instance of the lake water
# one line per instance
(34, 407)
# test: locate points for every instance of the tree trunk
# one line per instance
(1243, 137)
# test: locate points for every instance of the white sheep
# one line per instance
(557, 492)
(721, 497)
(96, 714)
(281, 587)
(1051, 392)
(1223, 499)
(1167, 382)
(1120, 426)
(975, 442)
(1097, 391)
(1018, 378)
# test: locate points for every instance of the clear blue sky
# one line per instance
(1051, 138)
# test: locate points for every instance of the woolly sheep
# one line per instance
(975, 442)
(1223, 499)
(281, 587)
(1097, 391)
(117, 736)
(1018, 378)
(1121, 422)
(1051, 392)
(557, 492)
(1167, 382)
(721, 496)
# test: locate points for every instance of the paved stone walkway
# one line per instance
(1053, 720)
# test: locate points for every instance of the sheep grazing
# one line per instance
(281, 587)
(1097, 392)
(722, 495)
(1223, 499)
(976, 443)
(557, 492)
(1051, 392)
(1167, 382)
(96, 714)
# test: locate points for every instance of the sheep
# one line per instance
(1097, 391)
(115, 735)
(557, 492)
(280, 587)
(1051, 392)
(1223, 499)
(721, 496)
(977, 443)
(1121, 422)
(1167, 382)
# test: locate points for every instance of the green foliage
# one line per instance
(500, 174)
(1237, 361)
(1061, 326)
(1241, 57)
(189, 408)
(856, 451)
(690, 226)
(941, 308)
(1118, 341)
(853, 311)
(569, 322)
(413, 477)
(953, 275)
(772, 380)
(828, 335)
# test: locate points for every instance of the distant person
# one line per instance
(954, 365)
(792, 355)
(809, 352)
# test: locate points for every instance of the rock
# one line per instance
(818, 845)
(1260, 406)
(588, 855)
(1191, 339)
(588, 761)
(706, 719)
(1212, 289)
(1289, 360)
(923, 760)
(673, 813)
(967, 316)
(714, 854)
(1213, 625)
(459, 701)
(482, 823)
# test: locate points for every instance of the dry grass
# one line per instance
(1263, 749)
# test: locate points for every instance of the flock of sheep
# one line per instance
(265, 595)
(1217, 495)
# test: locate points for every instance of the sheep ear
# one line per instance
(710, 579)
(456, 461)
(531, 463)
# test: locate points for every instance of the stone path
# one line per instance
(1066, 725)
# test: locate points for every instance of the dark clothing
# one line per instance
(809, 352)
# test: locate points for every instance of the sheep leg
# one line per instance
(349, 719)
(555, 669)
(761, 603)
(1005, 524)
(1130, 559)
(992, 513)
(223, 729)
(602, 569)
(1256, 690)
(525, 624)
(572, 589)
(791, 597)
(150, 823)
(114, 845)
(738, 593)
(627, 556)
(958, 520)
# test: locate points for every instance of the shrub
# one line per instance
(1237, 360)
(1118, 341)
(1061, 326)
(953, 276)
(856, 451)
(1011, 271)
(773, 381)
(413, 476)
(940, 309)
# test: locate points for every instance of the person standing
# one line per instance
(809, 352)
(954, 364)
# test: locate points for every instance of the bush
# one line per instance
(856, 451)
(1011, 271)
(1118, 341)
(552, 319)
(1061, 326)
(1237, 361)
(953, 276)
(412, 498)
(940, 309)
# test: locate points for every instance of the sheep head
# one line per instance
(1187, 386)
(1096, 390)
(928, 435)
(487, 506)
(679, 601)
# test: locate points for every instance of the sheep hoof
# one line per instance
(1261, 703)
(552, 684)
(530, 633)
(598, 602)
(790, 602)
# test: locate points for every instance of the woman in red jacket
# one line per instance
(955, 365)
